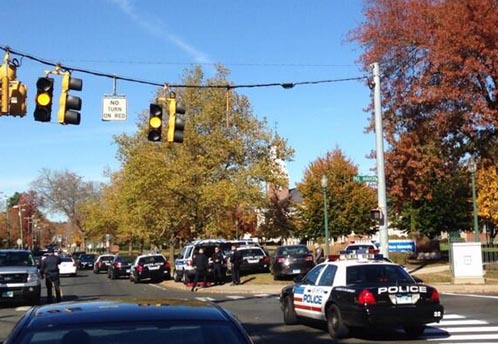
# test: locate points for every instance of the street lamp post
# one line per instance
(472, 166)
(325, 216)
(19, 212)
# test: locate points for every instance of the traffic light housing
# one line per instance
(377, 216)
(69, 105)
(4, 91)
(155, 122)
(17, 97)
(44, 98)
(12, 92)
(176, 125)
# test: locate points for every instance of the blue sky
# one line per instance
(260, 41)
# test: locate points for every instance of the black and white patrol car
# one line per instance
(361, 290)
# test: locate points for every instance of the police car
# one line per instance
(360, 289)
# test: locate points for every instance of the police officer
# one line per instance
(201, 264)
(319, 255)
(218, 259)
(50, 271)
(236, 261)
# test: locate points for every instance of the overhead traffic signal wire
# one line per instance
(285, 85)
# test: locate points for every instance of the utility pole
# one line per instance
(381, 177)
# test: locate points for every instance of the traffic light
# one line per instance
(17, 97)
(43, 100)
(4, 91)
(12, 92)
(376, 215)
(176, 125)
(155, 122)
(69, 105)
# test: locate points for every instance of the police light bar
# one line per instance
(360, 255)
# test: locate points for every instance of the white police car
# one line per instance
(360, 289)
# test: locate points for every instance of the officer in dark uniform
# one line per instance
(201, 264)
(218, 259)
(50, 271)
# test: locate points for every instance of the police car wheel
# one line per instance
(335, 325)
(414, 330)
(290, 316)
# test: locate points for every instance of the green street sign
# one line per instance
(365, 179)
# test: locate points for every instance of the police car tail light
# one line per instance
(266, 259)
(166, 265)
(140, 268)
(366, 297)
(435, 296)
(189, 262)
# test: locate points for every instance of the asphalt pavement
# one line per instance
(248, 286)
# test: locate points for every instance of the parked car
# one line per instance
(86, 261)
(19, 277)
(361, 246)
(67, 266)
(254, 259)
(150, 267)
(291, 260)
(120, 266)
(102, 263)
(125, 322)
(184, 270)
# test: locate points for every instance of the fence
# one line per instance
(489, 253)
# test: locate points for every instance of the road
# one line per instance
(468, 318)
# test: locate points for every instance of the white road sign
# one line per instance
(114, 108)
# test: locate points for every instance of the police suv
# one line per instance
(360, 289)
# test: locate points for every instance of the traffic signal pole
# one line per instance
(381, 177)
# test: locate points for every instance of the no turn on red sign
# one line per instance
(114, 108)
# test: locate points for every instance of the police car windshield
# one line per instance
(377, 273)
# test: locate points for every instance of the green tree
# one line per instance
(349, 202)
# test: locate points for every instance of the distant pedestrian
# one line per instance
(218, 260)
(49, 270)
(201, 264)
(236, 261)
(319, 256)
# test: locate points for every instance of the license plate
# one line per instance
(8, 294)
(252, 261)
(403, 299)
(296, 271)
(153, 267)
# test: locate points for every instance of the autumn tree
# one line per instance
(209, 184)
(487, 198)
(61, 192)
(438, 77)
(349, 202)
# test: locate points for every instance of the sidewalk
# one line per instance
(247, 287)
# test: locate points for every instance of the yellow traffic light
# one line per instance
(69, 105)
(12, 92)
(17, 97)
(176, 125)
(43, 100)
(155, 122)
(4, 91)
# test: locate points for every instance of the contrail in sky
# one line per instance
(157, 29)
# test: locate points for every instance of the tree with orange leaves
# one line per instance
(439, 69)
